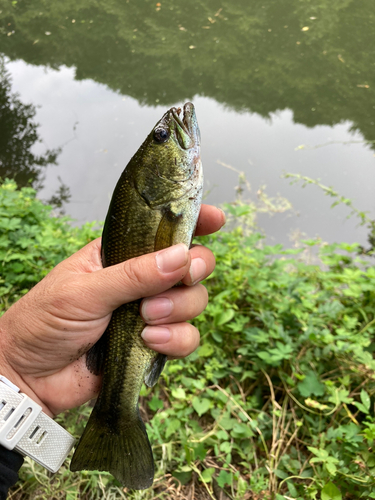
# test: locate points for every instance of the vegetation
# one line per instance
(32, 241)
(277, 402)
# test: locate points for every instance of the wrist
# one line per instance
(24, 428)
(15, 378)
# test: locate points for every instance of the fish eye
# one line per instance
(161, 135)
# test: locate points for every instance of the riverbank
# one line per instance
(276, 403)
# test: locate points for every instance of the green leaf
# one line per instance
(179, 393)
(226, 447)
(242, 487)
(281, 474)
(155, 404)
(224, 317)
(201, 405)
(207, 474)
(205, 350)
(361, 407)
(173, 425)
(331, 492)
(224, 478)
(322, 455)
(292, 489)
(222, 435)
(365, 398)
(217, 336)
(227, 423)
(241, 430)
(200, 451)
(183, 476)
(311, 385)
(331, 468)
(340, 396)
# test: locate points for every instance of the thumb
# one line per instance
(143, 276)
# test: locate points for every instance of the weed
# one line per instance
(278, 400)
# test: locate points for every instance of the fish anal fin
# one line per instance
(156, 367)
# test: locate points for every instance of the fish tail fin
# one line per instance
(123, 450)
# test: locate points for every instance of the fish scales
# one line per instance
(155, 204)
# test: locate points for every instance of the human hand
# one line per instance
(45, 335)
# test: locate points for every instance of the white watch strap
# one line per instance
(26, 429)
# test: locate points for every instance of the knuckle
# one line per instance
(133, 273)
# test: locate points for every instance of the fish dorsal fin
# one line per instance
(166, 233)
(156, 367)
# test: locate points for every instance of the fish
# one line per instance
(155, 204)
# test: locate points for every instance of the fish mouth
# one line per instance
(186, 126)
(184, 123)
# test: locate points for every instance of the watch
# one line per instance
(26, 429)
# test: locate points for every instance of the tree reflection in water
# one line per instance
(18, 135)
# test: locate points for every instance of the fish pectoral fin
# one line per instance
(95, 356)
(167, 230)
(156, 367)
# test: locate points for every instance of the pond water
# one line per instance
(278, 87)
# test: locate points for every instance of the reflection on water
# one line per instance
(287, 74)
(315, 59)
(18, 134)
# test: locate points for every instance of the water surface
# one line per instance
(265, 78)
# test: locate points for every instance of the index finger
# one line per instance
(210, 220)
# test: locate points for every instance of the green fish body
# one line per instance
(155, 204)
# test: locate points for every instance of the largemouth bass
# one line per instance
(155, 204)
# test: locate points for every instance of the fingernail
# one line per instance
(157, 308)
(156, 335)
(172, 258)
(224, 217)
(197, 270)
